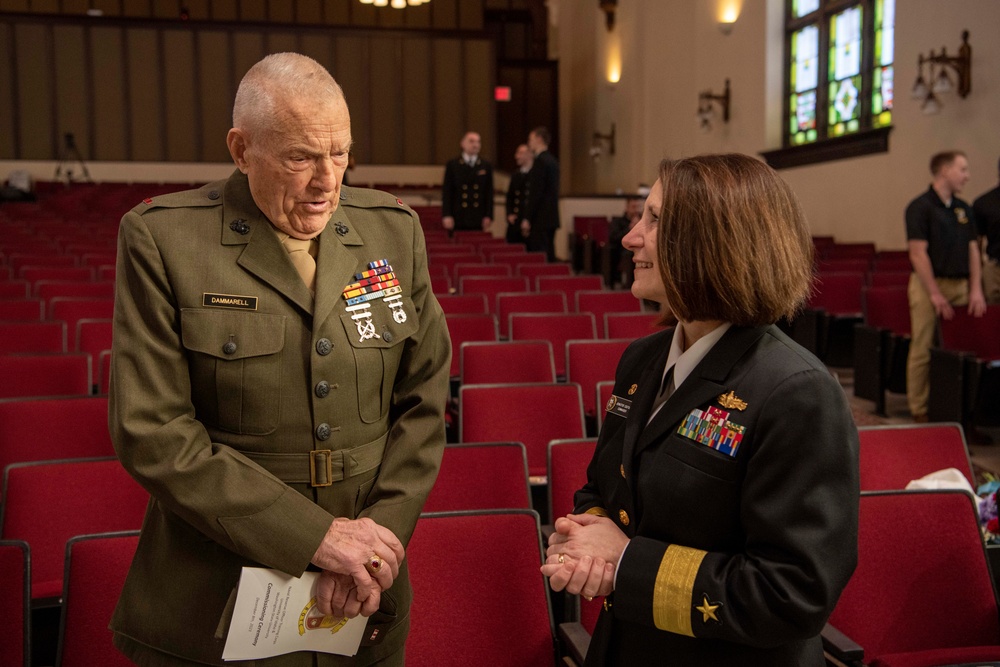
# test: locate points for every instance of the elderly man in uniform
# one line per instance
(279, 372)
(944, 253)
(518, 192)
(467, 189)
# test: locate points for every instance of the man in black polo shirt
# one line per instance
(987, 210)
(944, 253)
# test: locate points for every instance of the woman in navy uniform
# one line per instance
(720, 512)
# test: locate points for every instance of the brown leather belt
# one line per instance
(321, 467)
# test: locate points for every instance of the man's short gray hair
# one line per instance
(281, 76)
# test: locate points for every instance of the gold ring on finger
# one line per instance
(374, 564)
(562, 558)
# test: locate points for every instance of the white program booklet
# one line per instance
(276, 614)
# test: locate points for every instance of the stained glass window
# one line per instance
(882, 75)
(803, 7)
(839, 68)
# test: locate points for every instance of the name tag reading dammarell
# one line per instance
(617, 405)
(229, 301)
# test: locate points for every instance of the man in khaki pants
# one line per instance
(944, 253)
(987, 209)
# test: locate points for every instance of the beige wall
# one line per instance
(672, 49)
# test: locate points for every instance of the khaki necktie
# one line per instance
(303, 256)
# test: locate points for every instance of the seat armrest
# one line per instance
(575, 641)
(840, 646)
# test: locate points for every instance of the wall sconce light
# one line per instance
(595, 146)
(608, 7)
(941, 82)
(706, 112)
(728, 14)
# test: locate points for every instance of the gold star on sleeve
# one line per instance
(707, 610)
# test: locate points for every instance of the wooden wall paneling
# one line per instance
(253, 10)
(449, 103)
(470, 15)
(498, 4)
(216, 94)
(541, 91)
(225, 10)
(34, 91)
(308, 12)
(145, 100)
(137, 9)
(480, 113)
(72, 89)
(417, 77)
(512, 123)
(107, 78)
(281, 11)
(351, 70)
(198, 10)
(319, 47)
(179, 87)
(8, 103)
(281, 41)
(418, 17)
(15, 6)
(108, 7)
(45, 6)
(364, 15)
(248, 48)
(390, 18)
(444, 14)
(336, 12)
(385, 90)
(166, 9)
(75, 6)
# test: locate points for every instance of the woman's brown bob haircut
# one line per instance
(732, 243)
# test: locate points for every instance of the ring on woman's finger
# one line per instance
(374, 563)
(562, 558)
(588, 598)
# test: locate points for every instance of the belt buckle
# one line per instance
(324, 468)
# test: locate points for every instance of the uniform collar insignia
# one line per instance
(731, 401)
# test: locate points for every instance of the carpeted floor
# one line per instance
(984, 444)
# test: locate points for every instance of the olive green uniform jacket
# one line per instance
(226, 375)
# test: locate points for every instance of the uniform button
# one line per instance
(229, 348)
(322, 388)
(476, 186)
(622, 468)
(323, 431)
(387, 336)
(324, 346)
(623, 517)
(607, 604)
(213, 195)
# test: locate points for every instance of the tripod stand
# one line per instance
(69, 158)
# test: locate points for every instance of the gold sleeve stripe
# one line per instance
(597, 511)
(672, 592)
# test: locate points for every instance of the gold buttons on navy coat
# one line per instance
(324, 346)
(623, 517)
(322, 388)
(323, 431)
(622, 469)
(229, 348)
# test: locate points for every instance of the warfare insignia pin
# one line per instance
(731, 401)
(708, 610)
(631, 390)
(363, 321)
(395, 304)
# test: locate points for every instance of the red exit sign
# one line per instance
(501, 93)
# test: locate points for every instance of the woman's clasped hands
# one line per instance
(583, 555)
